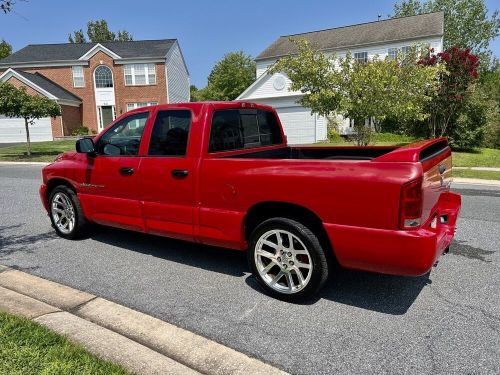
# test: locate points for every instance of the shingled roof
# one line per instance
(46, 84)
(73, 51)
(377, 32)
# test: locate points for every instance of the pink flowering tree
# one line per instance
(456, 84)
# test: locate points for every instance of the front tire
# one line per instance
(287, 259)
(66, 213)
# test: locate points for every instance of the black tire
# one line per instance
(81, 225)
(318, 258)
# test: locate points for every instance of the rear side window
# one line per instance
(170, 133)
(237, 129)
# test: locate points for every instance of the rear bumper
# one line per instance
(43, 196)
(397, 252)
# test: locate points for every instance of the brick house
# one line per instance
(93, 82)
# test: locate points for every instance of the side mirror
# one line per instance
(85, 146)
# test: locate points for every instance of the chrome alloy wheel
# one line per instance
(63, 213)
(283, 261)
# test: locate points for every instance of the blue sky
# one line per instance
(206, 30)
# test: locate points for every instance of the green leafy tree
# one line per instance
(469, 126)
(6, 5)
(466, 22)
(16, 102)
(98, 31)
(230, 77)
(77, 37)
(124, 36)
(489, 88)
(397, 88)
(196, 94)
(5, 49)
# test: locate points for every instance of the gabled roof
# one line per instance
(42, 84)
(73, 51)
(377, 32)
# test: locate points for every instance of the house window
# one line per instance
(78, 80)
(103, 77)
(131, 106)
(361, 57)
(140, 74)
(393, 52)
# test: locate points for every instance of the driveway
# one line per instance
(445, 322)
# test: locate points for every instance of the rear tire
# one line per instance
(66, 213)
(287, 259)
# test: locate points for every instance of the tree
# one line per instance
(489, 87)
(16, 102)
(6, 5)
(376, 89)
(466, 22)
(456, 83)
(124, 36)
(97, 32)
(5, 49)
(230, 77)
(196, 94)
(77, 37)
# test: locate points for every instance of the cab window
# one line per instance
(170, 133)
(124, 137)
(236, 129)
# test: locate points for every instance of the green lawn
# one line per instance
(469, 173)
(41, 151)
(28, 348)
(483, 157)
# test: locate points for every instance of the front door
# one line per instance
(167, 176)
(110, 188)
(106, 116)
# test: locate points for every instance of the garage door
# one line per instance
(298, 124)
(12, 130)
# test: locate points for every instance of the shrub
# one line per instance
(391, 137)
(468, 131)
(81, 130)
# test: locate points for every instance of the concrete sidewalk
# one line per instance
(139, 342)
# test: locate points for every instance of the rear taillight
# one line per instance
(410, 205)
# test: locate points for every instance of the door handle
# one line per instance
(180, 172)
(126, 171)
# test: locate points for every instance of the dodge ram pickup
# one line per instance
(222, 174)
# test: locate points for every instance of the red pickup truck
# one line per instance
(222, 174)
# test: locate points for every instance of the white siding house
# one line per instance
(178, 76)
(375, 39)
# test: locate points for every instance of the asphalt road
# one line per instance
(445, 322)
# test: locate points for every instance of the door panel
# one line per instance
(168, 201)
(110, 190)
(167, 177)
(110, 197)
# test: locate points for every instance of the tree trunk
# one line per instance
(27, 136)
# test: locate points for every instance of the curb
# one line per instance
(139, 342)
(490, 169)
(475, 181)
(24, 163)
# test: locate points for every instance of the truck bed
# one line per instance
(318, 153)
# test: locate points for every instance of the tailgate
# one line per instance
(436, 165)
(435, 157)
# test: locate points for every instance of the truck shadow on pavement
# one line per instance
(381, 293)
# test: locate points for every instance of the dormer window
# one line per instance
(139, 74)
